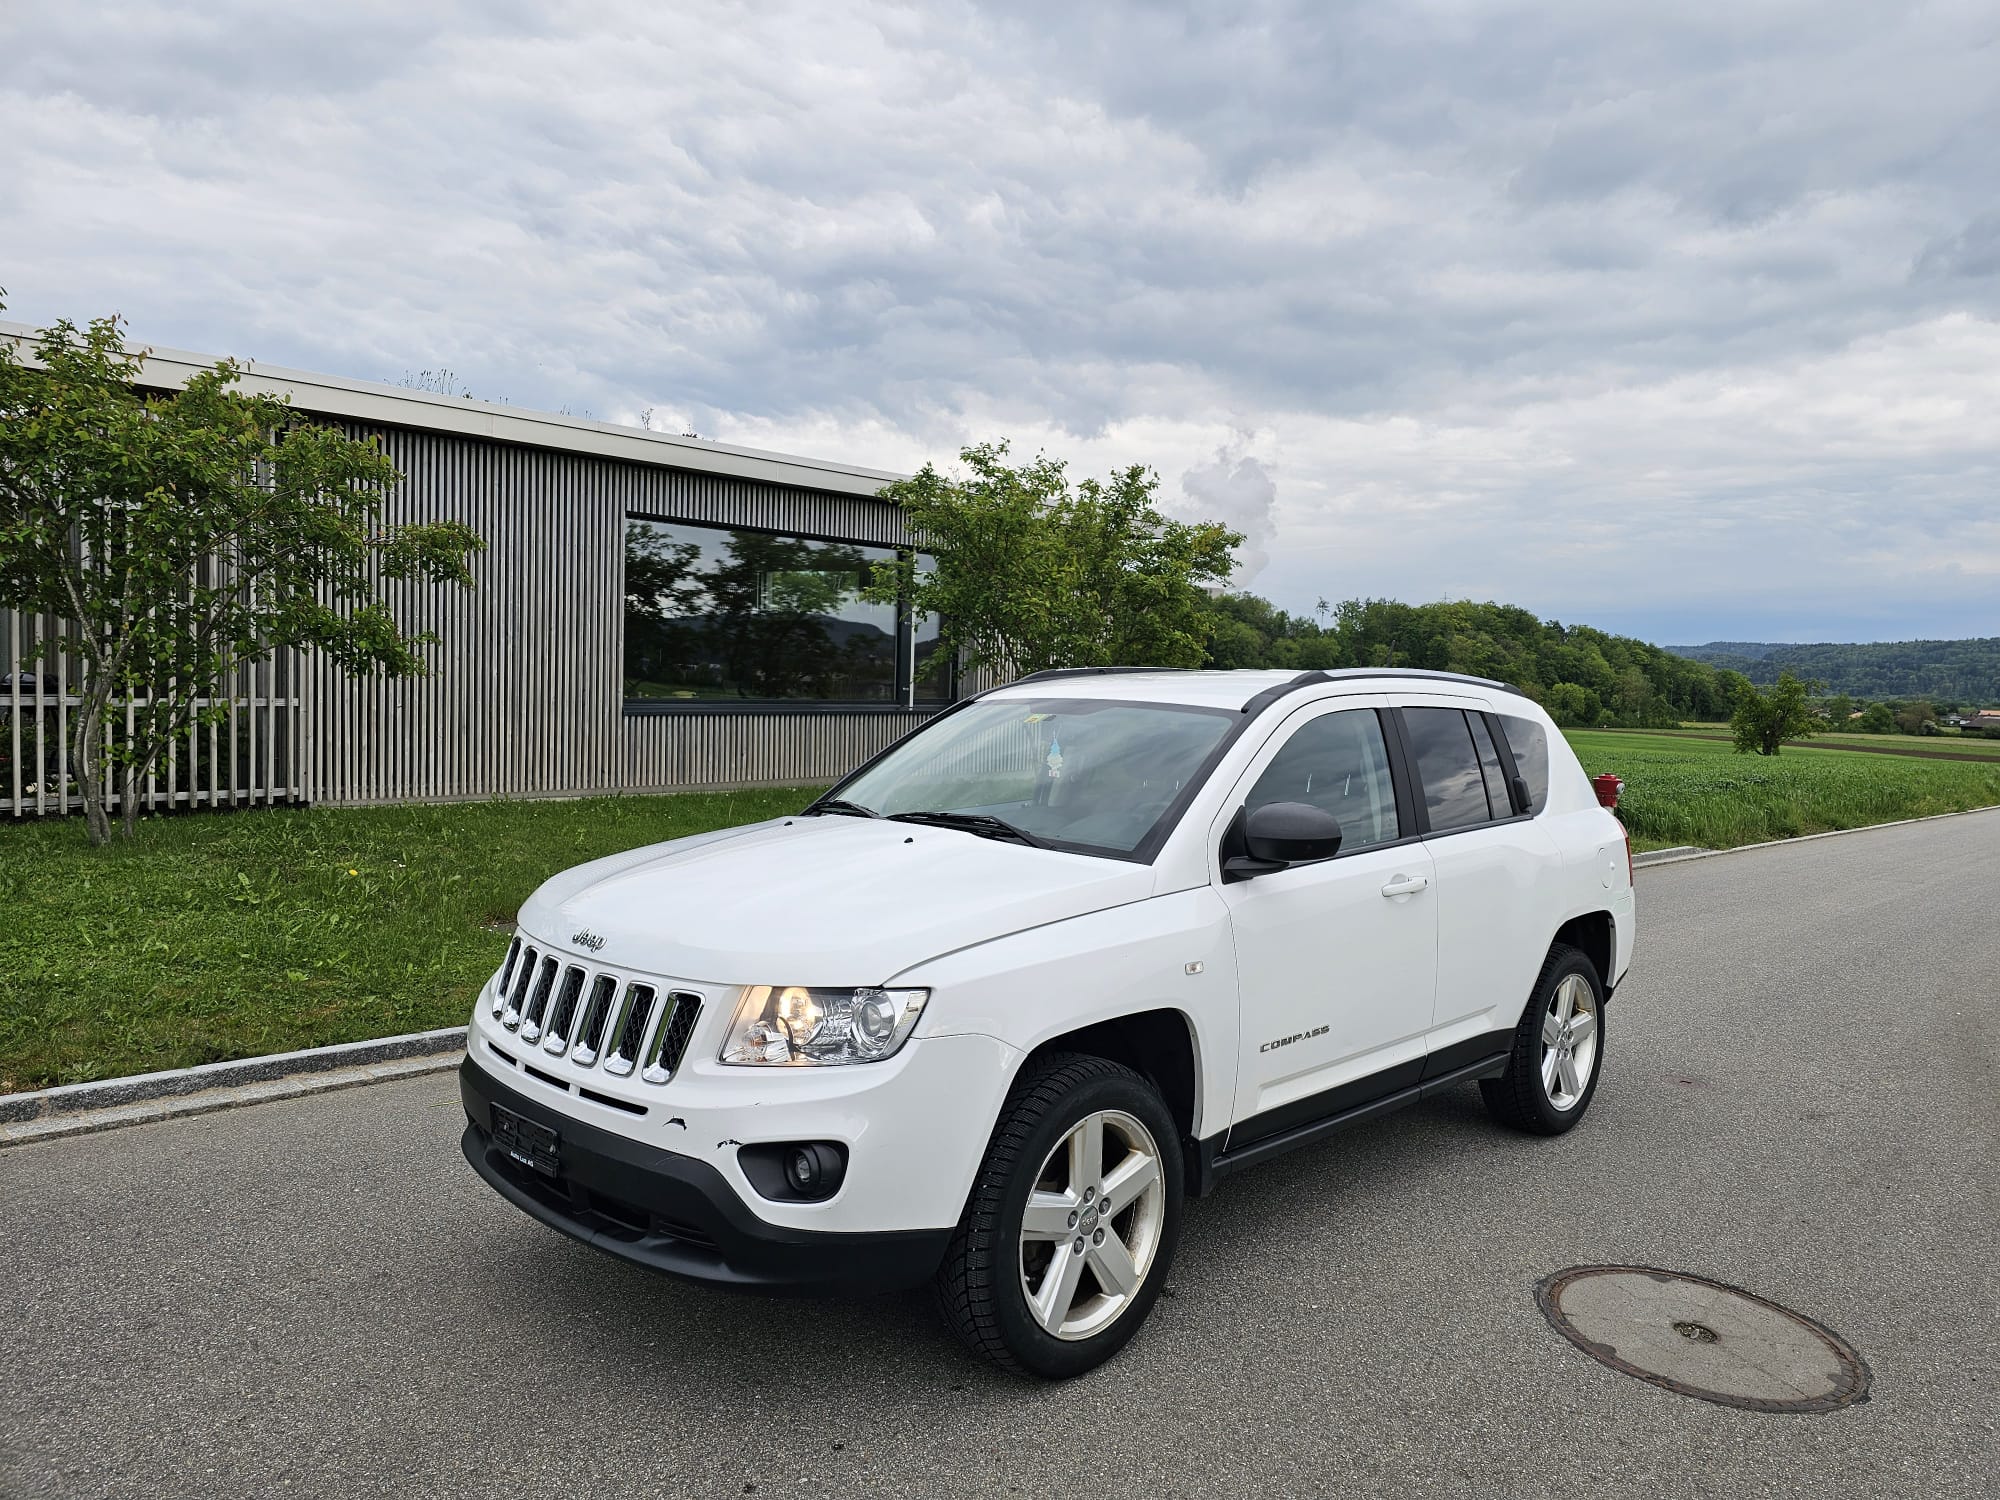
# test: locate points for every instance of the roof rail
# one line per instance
(1050, 674)
(1271, 695)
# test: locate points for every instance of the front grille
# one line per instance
(599, 1023)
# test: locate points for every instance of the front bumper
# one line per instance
(672, 1213)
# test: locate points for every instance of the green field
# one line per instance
(1902, 744)
(1682, 790)
(220, 935)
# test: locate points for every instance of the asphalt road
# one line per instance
(1802, 1098)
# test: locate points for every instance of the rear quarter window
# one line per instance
(1530, 744)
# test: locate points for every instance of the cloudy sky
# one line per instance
(1681, 320)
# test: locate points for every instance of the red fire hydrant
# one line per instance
(1607, 787)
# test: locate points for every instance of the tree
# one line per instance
(1878, 718)
(1027, 572)
(1917, 718)
(1764, 721)
(1574, 706)
(184, 537)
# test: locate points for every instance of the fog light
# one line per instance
(814, 1169)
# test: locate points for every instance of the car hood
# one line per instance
(830, 900)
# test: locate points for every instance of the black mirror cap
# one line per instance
(1290, 833)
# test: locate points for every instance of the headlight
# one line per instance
(787, 1026)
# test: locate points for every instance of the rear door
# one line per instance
(1336, 960)
(1491, 861)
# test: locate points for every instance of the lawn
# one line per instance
(1681, 790)
(221, 935)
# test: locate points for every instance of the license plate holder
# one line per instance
(528, 1142)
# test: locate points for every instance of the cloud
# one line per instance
(1578, 308)
(1238, 491)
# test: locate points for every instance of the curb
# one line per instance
(209, 1100)
(111, 1093)
(1681, 856)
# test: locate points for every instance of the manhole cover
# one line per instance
(1703, 1339)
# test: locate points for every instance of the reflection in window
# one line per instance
(714, 614)
(1338, 763)
(1448, 766)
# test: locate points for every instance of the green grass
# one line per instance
(1680, 790)
(231, 934)
(1903, 744)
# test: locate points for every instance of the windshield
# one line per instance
(1091, 774)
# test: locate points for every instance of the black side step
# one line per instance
(1218, 1166)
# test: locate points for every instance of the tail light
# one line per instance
(1630, 878)
(1607, 788)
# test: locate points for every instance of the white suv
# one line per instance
(993, 1008)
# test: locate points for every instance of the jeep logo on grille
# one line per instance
(587, 939)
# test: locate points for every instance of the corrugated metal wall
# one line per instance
(525, 693)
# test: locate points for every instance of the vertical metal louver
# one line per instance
(511, 1017)
(631, 1031)
(596, 1016)
(562, 1015)
(671, 1040)
(538, 1002)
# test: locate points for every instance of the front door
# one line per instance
(1337, 960)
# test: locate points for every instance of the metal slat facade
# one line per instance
(525, 693)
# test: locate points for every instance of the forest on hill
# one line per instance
(1958, 674)
(1582, 676)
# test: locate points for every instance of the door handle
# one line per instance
(1406, 885)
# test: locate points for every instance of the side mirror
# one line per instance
(1279, 834)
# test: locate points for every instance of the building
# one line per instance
(652, 613)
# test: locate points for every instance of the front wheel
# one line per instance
(1072, 1223)
(1558, 1049)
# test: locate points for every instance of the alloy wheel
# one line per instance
(1092, 1226)
(1569, 1042)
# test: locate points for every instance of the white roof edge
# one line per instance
(397, 406)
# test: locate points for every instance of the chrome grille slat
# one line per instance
(630, 1031)
(506, 973)
(538, 1002)
(511, 1017)
(670, 1038)
(562, 1015)
(596, 1016)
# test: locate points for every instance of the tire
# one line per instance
(1547, 1087)
(998, 1260)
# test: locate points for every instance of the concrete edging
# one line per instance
(140, 1088)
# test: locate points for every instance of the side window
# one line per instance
(1447, 767)
(1530, 744)
(1338, 762)
(1498, 798)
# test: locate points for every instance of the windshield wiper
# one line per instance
(984, 824)
(845, 808)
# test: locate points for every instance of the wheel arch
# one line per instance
(1161, 1046)
(1595, 935)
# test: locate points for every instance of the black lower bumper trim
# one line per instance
(672, 1213)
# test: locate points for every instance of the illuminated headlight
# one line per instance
(789, 1026)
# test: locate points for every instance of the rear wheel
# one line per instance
(1072, 1223)
(1558, 1049)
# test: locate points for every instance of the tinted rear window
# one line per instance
(1448, 768)
(1530, 744)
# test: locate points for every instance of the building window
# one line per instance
(721, 615)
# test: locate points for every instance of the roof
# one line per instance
(427, 411)
(1234, 689)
